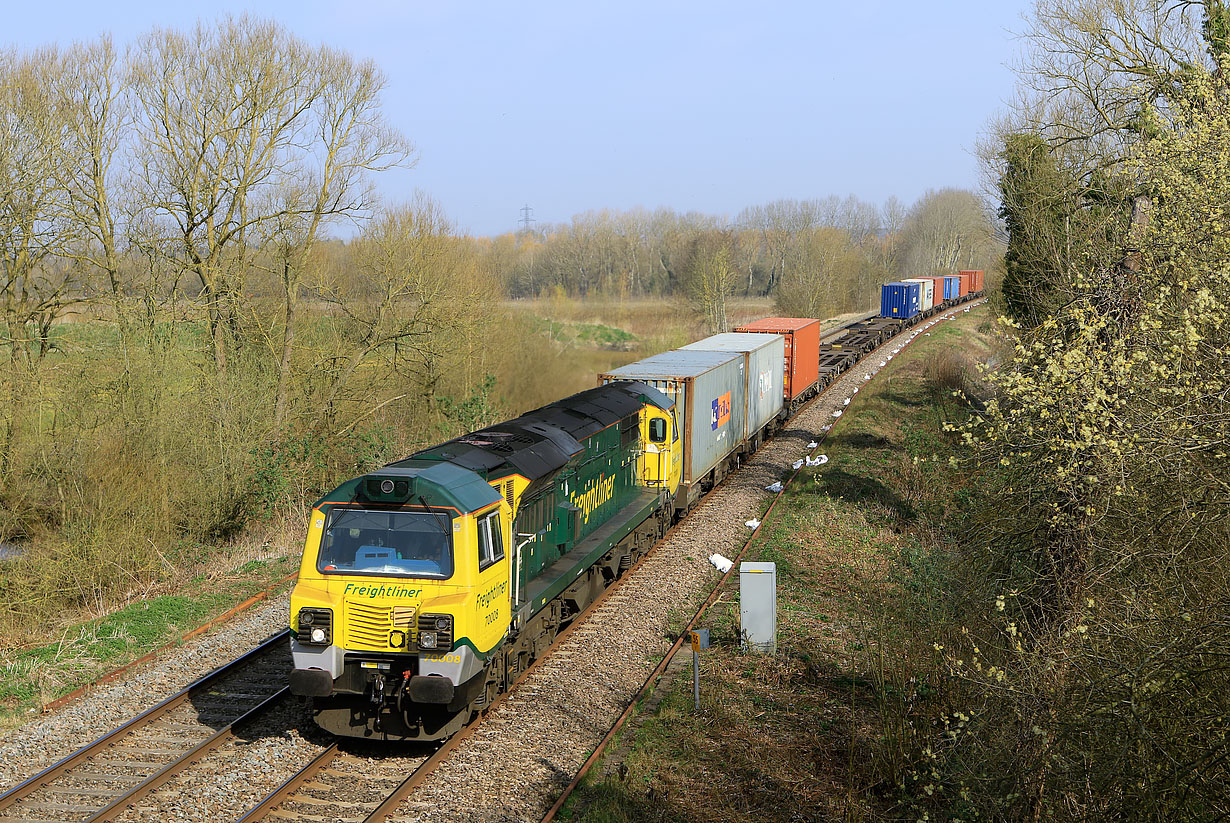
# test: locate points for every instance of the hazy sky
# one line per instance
(708, 106)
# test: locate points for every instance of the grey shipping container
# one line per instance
(708, 389)
(765, 360)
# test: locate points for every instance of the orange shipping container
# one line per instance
(975, 279)
(939, 290)
(802, 350)
(965, 279)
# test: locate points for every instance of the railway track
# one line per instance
(651, 682)
(364, 782)
(372, 779)
(101, 780)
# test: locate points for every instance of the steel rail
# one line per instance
(114, 674)
(53, 772)
(651, 680)
(287, 790)
(188, 758)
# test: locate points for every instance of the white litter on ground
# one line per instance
(753, 523)
(721, 563)
(775, 487)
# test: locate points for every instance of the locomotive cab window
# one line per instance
(657, 430)
(387, 543)
(490, 541)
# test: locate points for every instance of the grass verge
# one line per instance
(806, 734)
(84, 651)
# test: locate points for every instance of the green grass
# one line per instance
(796, 736)
(84, 651)
(592, 335)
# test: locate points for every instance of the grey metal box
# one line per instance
(765, 362)
(708, 389)
(758, 606)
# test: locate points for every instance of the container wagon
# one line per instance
(976, 277)
(801, 372)
(707, 388)
(966, 281)
(938, 285)
(952, 287)
(764, 371)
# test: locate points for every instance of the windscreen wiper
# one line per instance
(436, 514)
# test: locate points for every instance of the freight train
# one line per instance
(428, 586)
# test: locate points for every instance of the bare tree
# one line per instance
(947, 230)
(779, 223)
(89, 89)
(711, 279)
(1093, 65)
(347, 139)
(222, 115)
(414, 291)
(36, 284)
(828, 264)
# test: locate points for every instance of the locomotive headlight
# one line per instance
(315, 626)
(435, 632)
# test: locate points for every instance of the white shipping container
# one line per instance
(926, 292)
(708, 390)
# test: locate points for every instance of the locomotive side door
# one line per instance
(660, 443)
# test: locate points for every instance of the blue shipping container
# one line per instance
(952, 287)
(900, 300)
